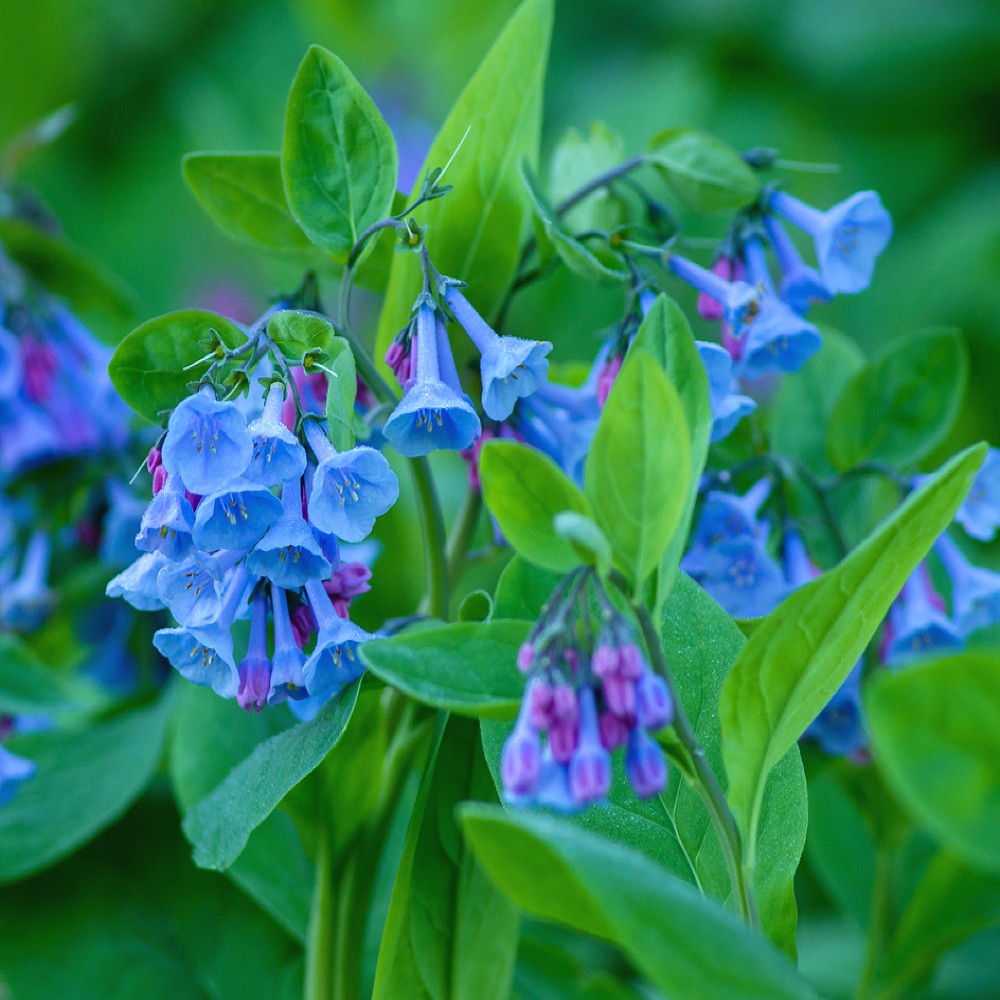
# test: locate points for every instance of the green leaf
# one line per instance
(338, 158)
(210, 737)
(524, 491)
(704, 173)
(951, 903)
(666, 335)
(901, 405)
(147, 367)
(85, 780)
(99, 297)
(572, 252)
(28, 687)
(296, 333)
(220, 825)
(686, 945)
(587, 539)
(341, 393)
(476, 606)
(576, 160)
(934, 730)
(450, 934)
(799, 655)
(638, 468)
(469, 667)
(522, 590)
(475, 231)
(801, 412)
(244, 196)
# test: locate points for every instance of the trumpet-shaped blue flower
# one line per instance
(277, 456)
(975, 591)
(979, 514)
(334, 660)
(562, 435)
(350, 489)
(137, 583)
(26, 601)
(918, 626)
(125, 510)
(645, 764)
(432, 414)
(14, 771)
(290, 553)
(235, 517)
(726, 516)
(848, 237)
(192, 590)
(521, 759)
(288, 661)
(205, 655)
(777, 339)
(740, 301)
(207, 443)
(11, 370)
(801, 285)
(590, 765)
(167, 524)
(741, 575)
(839, 728)
(729, 406)
(254, 670)
(510, 367)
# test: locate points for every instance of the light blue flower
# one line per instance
(840, 727)
(167, 523)
(137, 583)
(254, 670)
(277, 456)
(521, 759)
(290, 553)
(729, 406)
(14, 771)
(975, 591)
(288, 661)
(645, 764)
(334, 660)
(918, 625)
(192, 589)
(739, 300)
(726, 516)
(848, 237)
(510, 367)
(350, 489)
(742, 576)
(979, 514)
(11, 370)
(118, 528)
(207, 443)
(590, 765)
(432, 414)
(26, 601)
(236, 517)
(801, 285)
(205, 655)
(565, 438)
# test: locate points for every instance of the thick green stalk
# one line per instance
(320, 953)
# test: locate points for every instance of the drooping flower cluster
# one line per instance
(246, 520)
(586, 696)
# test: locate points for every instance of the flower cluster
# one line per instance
(587, 697)
(246, 520)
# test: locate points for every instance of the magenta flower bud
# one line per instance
(565, 705)
(590, 766)
(540, 704)
(619, 693)
(630, 661)
(645, 765)
(604, 662)
(521, 760)
(709, 308)
(525, 657)
(653, 704)
(614, 730)
(562, 740)
(607, 379)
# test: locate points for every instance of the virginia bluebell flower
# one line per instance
(740, 301)
(839, 728)
(743, 577)
(724, 516)
(334, 660)
(205, 655)
(14, 771)
(167, 523)
(118, 526)
(432, 414)
(207, 443)
(137, 583)
(565, 436)
(350, 489)
(979, 514)
(254, 670)
(776, 338)
(801, 285)
(590, 765)
(510, 367)
(848, 237)
(918, 625)
(11, 371)
(290, 553)
(26, 601)
(288, 661)
(277, 456)
(729, 406)
(975, 591)
(191, 589)
(236, 517)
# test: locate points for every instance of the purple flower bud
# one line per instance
(540, 704)
(614, 730)
(604, 662)
(565, 705)
(590, 766)
(654, 706)
(521, 760)
(619, 694)
(254, 670)
(562, 740)
(525, 657)
(645, 765)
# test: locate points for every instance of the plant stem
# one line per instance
(435, 540)
(320, 953)
(462, 532)
(705, 782)
(879, 924)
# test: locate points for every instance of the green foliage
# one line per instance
(902, 404)
(934, 729)
(686, 945)
(525, 491)
(474, 233)
(450, 934)
(296, 333)
(468, 667)
(338, 158)
(589, 542)
(703, 172)
(576, 160)
(85, 780)
(220, 825)
(28, 687)
(147, 367)
(638, 467)
(799, 655)
(244, 196)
